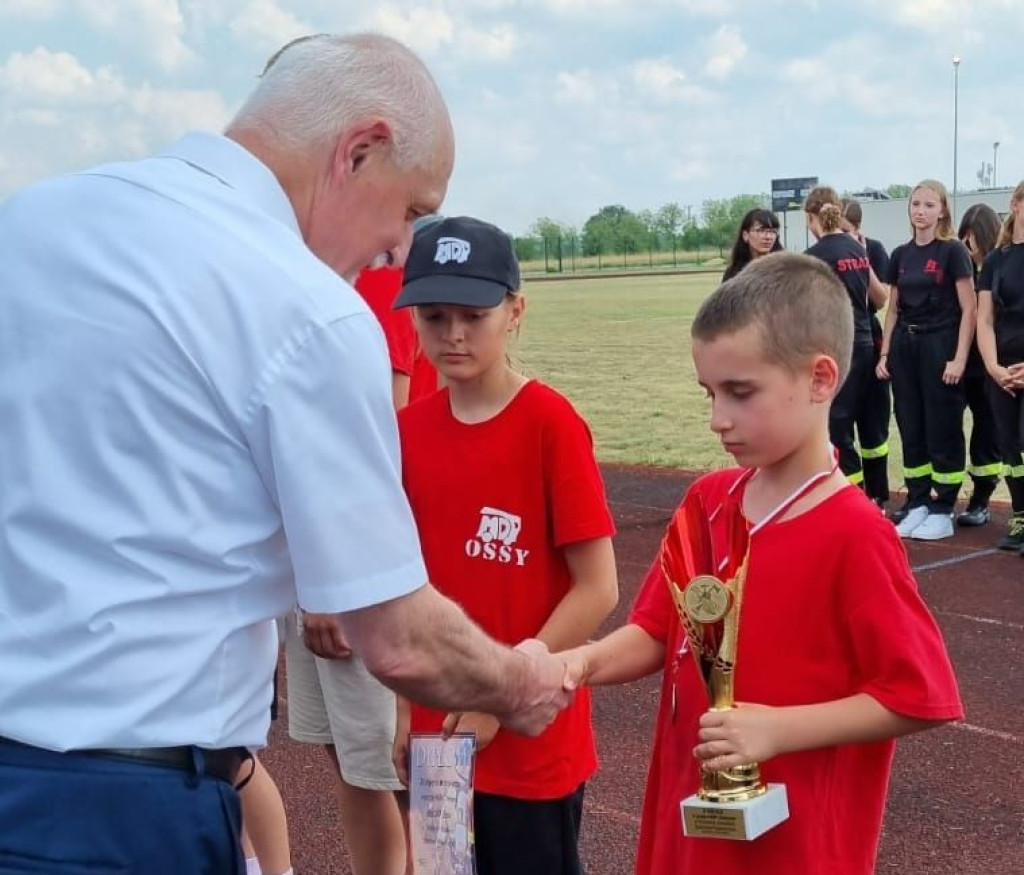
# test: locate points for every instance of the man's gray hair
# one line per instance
(317, 86)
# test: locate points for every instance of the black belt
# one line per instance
(222, 763)
(912, 328)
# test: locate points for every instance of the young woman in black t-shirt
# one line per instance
(979, 228)
(926, 340)
(849, 262)
(758, 235)
(875, 412)
(1001, 341)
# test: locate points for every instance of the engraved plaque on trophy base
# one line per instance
(743, 821)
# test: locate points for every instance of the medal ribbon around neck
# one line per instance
(687, 549)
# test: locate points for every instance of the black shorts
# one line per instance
(516, 836)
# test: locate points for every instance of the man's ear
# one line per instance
(360, 144)
(824, 379)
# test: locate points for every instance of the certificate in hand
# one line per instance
(441, 803)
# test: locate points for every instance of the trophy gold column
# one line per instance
(732, 803)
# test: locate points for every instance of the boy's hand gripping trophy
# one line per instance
(732, 803)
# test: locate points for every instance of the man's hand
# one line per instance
(483, 726)
(738, 737)
(546, 687)
(322, 633)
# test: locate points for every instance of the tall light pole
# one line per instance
(956, 95)
(995, 154)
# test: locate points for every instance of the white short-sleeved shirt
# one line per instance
(196, 431)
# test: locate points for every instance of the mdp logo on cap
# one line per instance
(452, 249)
(461, 261)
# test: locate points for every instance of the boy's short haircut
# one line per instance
(798, 304)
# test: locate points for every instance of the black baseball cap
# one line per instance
(459, 260)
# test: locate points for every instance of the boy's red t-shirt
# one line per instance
(494, 503)
(830, 610)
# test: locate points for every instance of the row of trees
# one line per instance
(616, 230)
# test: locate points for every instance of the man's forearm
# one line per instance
(424, 647)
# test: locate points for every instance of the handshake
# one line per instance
(548, 685)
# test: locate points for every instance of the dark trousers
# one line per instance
(75, 814)
(519, 836)
(1008, 414)
(863, 403)
(986, 464)
(929, 414)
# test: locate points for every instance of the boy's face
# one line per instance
(762, 412)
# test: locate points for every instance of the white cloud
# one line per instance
(709, 8)
(265, 23)
(152, 28)
(28, 9)
(577, 88)
(56, 77)
(433, 30)
(425, 30)
(56, 114)
(725, 50)
(660, 80)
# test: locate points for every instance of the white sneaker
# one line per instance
(936, 527)
(909, 524)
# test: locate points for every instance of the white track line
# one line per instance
(988, 733)
(942, 563)
(989, 621)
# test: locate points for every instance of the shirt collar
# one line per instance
(236, 167)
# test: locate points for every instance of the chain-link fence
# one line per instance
(564, 254)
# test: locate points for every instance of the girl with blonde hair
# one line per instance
(926, 340)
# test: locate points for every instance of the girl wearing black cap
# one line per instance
(515, 527)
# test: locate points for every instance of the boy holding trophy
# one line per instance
(794, 644)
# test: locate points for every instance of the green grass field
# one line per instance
(620, 349)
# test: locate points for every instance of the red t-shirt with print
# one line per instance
(830, 610)
(494, 503)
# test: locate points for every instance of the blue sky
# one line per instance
(560, 106)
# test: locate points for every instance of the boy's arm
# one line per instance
(755, 733)
(591, 598)
(627, 654)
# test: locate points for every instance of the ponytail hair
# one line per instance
(1006, 232)
(852, 212)
(944, 229)
(823, 201)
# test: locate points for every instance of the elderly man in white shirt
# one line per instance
(196, 433)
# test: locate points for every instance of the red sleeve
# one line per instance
(379, 288)
(579, 507)
(899, 655)
(653, 609)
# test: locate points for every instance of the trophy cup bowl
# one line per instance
(732, 803)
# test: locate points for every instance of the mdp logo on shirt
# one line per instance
(496, 537)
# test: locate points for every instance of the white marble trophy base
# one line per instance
(743, 821)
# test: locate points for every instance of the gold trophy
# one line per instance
(734, 803)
